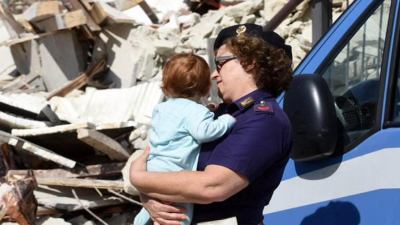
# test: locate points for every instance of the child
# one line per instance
(181, 124)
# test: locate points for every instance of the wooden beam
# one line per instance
(13, 27)
(43, 153)
(77, 4)
(62, 21)
(97, 13)
(146, 8)
(81, 183)
(100, 170)
(50, 130)
(103, 143)
(42, 10)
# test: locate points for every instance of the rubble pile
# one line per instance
(78, 82)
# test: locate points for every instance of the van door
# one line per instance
(358, 184)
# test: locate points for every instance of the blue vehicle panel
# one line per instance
(361, 185)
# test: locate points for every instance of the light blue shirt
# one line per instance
(179, 126)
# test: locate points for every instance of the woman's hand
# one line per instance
(138, 168)
(140, 163)
(162, 213)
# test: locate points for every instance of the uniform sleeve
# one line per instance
(251, 148)
(204, 128)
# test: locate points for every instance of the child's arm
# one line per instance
(204, 128)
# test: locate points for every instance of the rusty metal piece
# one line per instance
(20, 204)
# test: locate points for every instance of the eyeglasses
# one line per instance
(220, 61)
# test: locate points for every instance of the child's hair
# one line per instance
(186, 75)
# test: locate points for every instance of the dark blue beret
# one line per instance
(270, 37)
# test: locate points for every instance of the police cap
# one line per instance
(270, 37)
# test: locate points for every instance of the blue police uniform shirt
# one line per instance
(257, 147)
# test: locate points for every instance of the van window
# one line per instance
(354, 75)
(396, 112)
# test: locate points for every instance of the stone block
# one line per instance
(62, 58)
(26, 57)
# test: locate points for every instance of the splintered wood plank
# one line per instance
(50, 130)
(42, 10)
(81, 183)
(12, 26)
(75, 5)
(37, 150)
(103, 143)
(61, 198)
(100, 170)
(62, 21)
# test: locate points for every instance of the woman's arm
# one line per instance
(215, 183)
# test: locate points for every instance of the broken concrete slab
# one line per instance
(62, 56)
(271, 7)
(243, 9)
(100, 106)
(126, 4)
(113, 15)
(206, 25)
(5, 52)
(131, 105)
(158, 7)
(121, 62)
(130, 54)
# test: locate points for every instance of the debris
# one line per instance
(42, 10)
(83, 183)
(39, 151)
(103, 143)
(17, 200)
(79, 80)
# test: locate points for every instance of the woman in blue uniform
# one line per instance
(236, 174)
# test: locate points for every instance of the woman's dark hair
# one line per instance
(273, 71)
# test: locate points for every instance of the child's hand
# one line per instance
(212, 106)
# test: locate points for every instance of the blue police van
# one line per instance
(344, 104)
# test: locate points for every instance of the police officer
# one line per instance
(238, 173)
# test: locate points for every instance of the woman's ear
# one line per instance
(250, 67)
